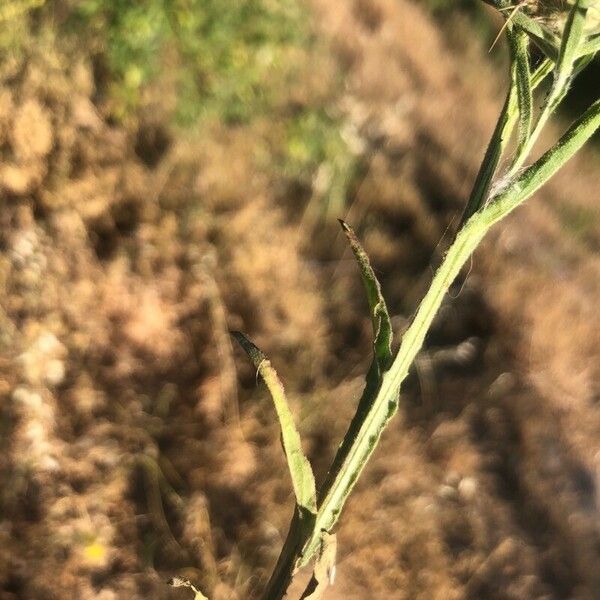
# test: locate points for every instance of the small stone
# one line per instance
(447, 492)
(18, 180)
(468, 488)
(54, 373)
(32, 134)
(27, 398)
(47, 343)
(452, 478)
(23, 247)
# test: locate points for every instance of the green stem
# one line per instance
(286, 563)
(494, 151)
(499, 141)
(385, 404)
(304, 540)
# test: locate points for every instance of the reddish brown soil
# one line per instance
(135, 441)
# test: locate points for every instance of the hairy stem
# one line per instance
(385, 403)
(381, 396)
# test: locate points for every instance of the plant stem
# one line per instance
(493, 153)
(385, 404)
(304, 537)
(285, 567)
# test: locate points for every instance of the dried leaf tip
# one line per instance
(382, 325)
(344, 225)
(255, 354)
(301, 473)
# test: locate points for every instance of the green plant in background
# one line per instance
(13, 23)
(224, 54)
(317, 148)
(231, 64)
(568, 48)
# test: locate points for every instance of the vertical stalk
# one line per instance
(305, 535)
(385, 404)
(284, 569)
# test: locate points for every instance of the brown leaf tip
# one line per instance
(255, 354)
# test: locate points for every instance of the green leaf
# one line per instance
(573, 37)
(567, 63)
(499, 140)
(542, 71)
(582, 62)
(547, 165)
(542, 37)
(519, 46)
(489, 165)
(382, 349)
(324, 571)
(590, 46)
(382, 329)
(380, 318)
(303, 479)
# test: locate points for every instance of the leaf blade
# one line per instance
(303, 480)
(493, 153)
(572, 39)
(541, 36)
(519, 45)
(380, 318)
(590, 46)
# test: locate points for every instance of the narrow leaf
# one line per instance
(380, 318)
(382, 355)
(519, 45)
(582, 62)
(590, 46)
(541, 72)
(541, 36)
(493, 154)
(572, 39)
(547, 165)
(303, 479)
(566, 64)
(499, 140)
(324, 571)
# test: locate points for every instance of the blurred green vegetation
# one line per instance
(224, 53)
(14, 26)
(234, 63)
